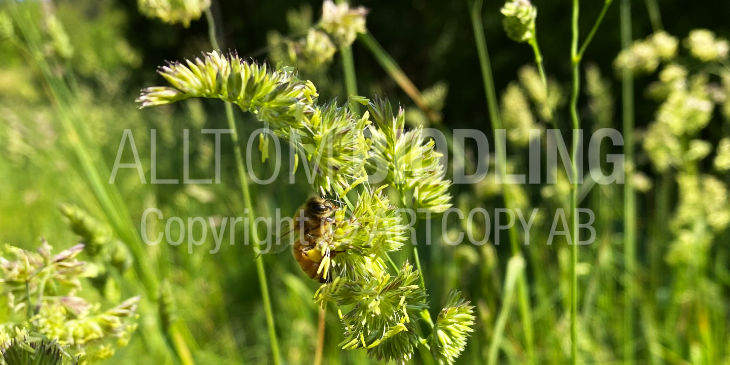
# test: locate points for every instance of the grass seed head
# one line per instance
(519, 20)
(174, 11)
(342, 22)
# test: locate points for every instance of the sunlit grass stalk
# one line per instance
(321, 326)
(418, 266)
(627, 94)
(515, 270)
(494, 115)
(576, 55)
(539, 61)
(245, 193)
(397, 74)
(180, 342)
(540, 282)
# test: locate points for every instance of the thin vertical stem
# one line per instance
(655, 16)
(348, 68)
(321, 325)
(494, 115)
(627, 95)
(212, 38)
(575, 63)
(243, 182)
(418, 266)
(260, 271)
(576, 55)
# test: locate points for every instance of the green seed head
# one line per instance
(519, 20)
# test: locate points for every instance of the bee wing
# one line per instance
(283, 242)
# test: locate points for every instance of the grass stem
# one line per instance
(494, 115)
(541, 71)
(515, 270)
(655, 16)
(243, 181)
(397, 74)
(594, 28)
(321, 326)
(576, 56)
(348, 68)
(575, 72)
(627, 94)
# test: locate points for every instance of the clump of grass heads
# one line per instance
(43, 295)
(330, 136)
(313, 46)
(380, 307)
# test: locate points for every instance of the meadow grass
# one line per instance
(652, 288)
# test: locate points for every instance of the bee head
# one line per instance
(320, 207)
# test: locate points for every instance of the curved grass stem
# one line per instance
(594, 28)
(541, 71)
(245, 193)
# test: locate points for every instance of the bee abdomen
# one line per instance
(309, 262)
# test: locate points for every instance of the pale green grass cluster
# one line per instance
(312, 46)
(382, 308)
(43, 290)
(174, 11)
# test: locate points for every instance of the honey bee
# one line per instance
(314, 226)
